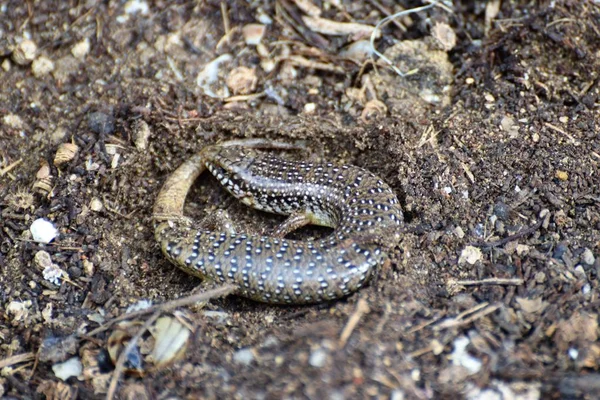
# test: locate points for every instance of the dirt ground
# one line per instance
(491, 142)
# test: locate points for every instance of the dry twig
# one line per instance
(361, 309)
(181, 302)
(10, 167)
(16, 359)
(518, 235)
(491, 281)
(479, 311)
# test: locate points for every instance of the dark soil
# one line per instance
(493, 293)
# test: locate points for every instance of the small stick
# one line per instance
(490, 281)
(518, 235)
(16, 359)
(10, 167)
(361, 309)
(424, 325)
(114, 381)
(181, 302)
(225, 16)
(559, 130)
(483, 310)
(244, 97)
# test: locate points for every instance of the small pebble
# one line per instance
(310, 108)
(588, 257)
(96, 204)
(586, 289)
(470, 255)
(580, 272)
(501, 210)
(318, 358)
(459, 232)
(253, 33)
(478, 230)
(74, 272)
(81, 49)
(270, 341)
(397, 394)
(67, 369)
(522, 249)
(263, 17)
(53, 274)
(13, 121)
(101, 123)
(460, 355)
(43, 231)
(444, 35)
(242, 80)
(42, 259)
(540, 277)
(573, 353)
(559, 251)
(25, 52)
(88, 268)
(141, 134)
(42, 66)
(243, 356)
(561, 175)
(135, 6)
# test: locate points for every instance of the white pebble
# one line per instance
(397, 394)
(573, 353)
(25, 52)
(81, 49)
(310, 108)
(139, 305)
(67, 369)
(470, 255)
(586, 289)
(263, 18)
(588, 257)
(42, 259)
(13, 121)
(52, 273)
(135, 6)
(43, 231)
(42, 66)
(460, 355)
(209, 75)
(318, 358)
(243, 356)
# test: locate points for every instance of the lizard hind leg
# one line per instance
(293, 222)
(220, 221)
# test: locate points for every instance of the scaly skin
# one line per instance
(362, 209)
